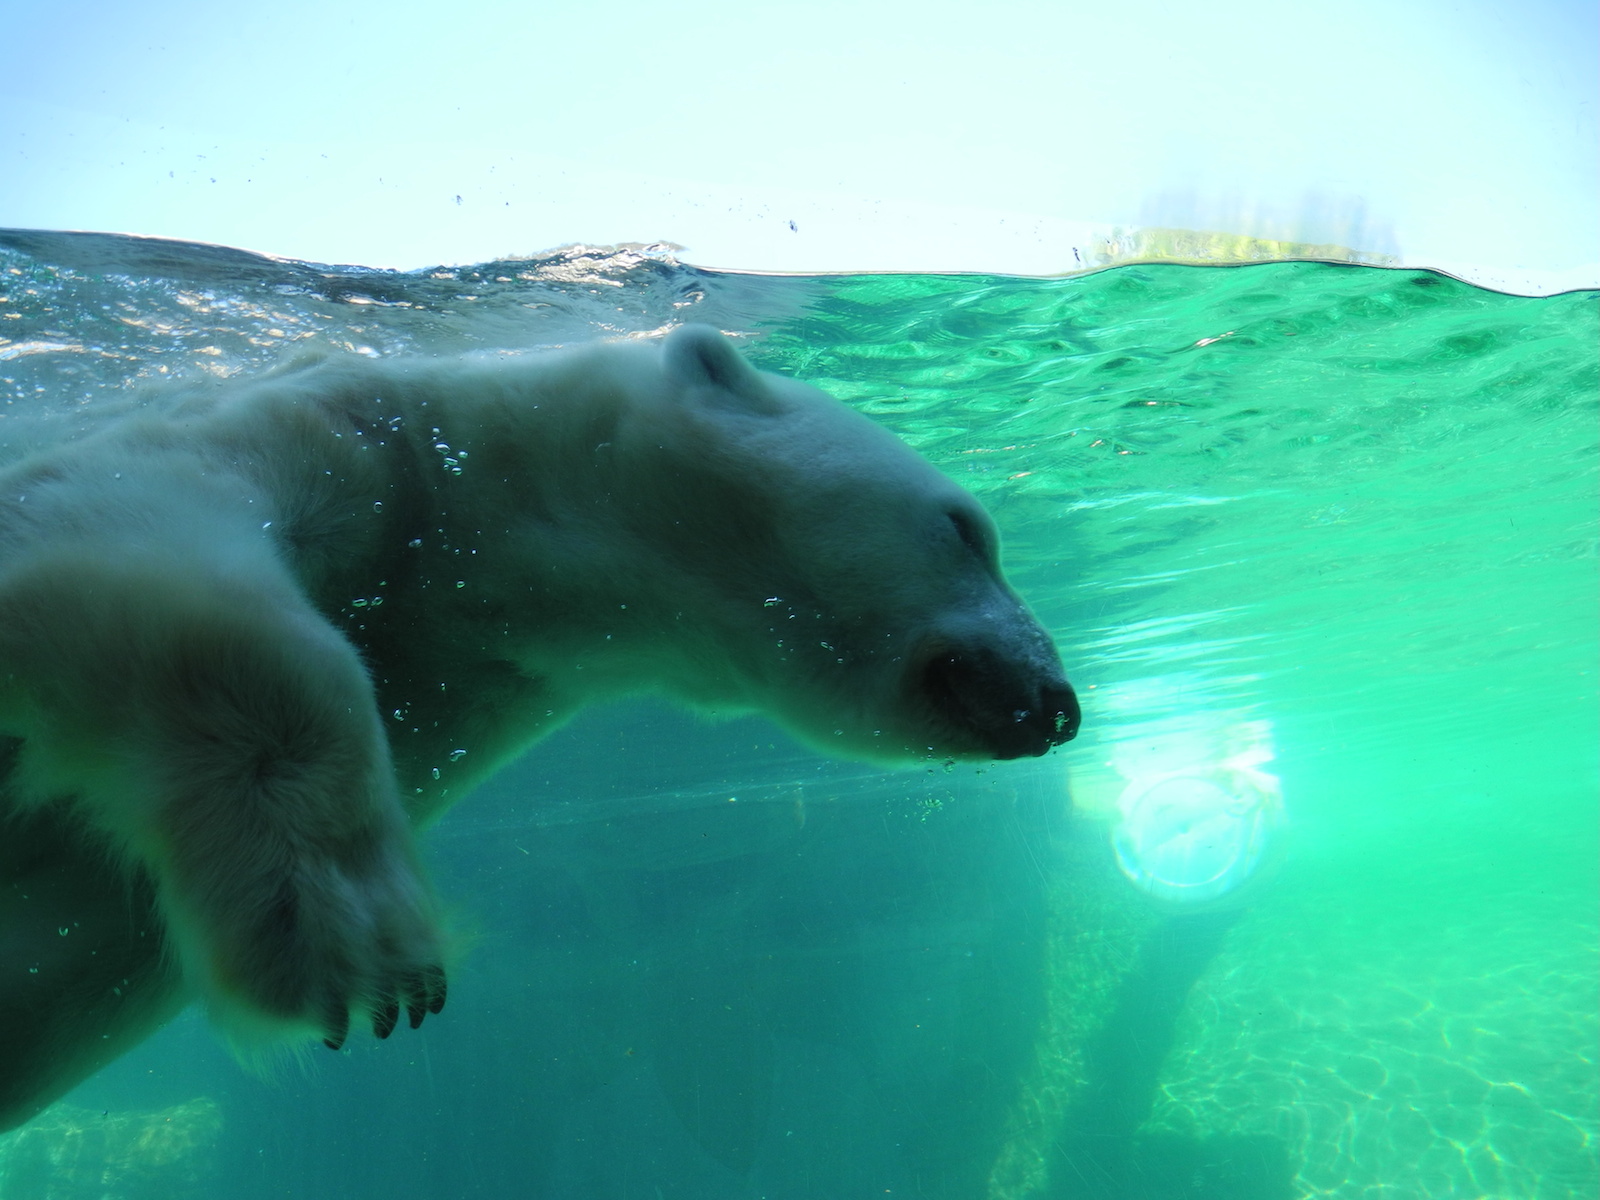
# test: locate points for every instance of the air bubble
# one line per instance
(377, 506)
(436, 772)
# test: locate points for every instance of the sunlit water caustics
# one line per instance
(1308, 909)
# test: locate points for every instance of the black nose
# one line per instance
(1010, 710)
(1059, 713)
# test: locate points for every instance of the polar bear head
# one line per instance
(785, 554)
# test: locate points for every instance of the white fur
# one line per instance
(247, 634)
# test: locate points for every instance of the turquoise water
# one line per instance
(1328, 527)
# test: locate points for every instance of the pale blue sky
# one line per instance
(915, 135)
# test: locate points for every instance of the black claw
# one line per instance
(336, 1025)
(436, 992)
(384, 1018)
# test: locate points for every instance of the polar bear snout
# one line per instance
(1001, 707)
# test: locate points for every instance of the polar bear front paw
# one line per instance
(304, 926)
(386, 981)
(422, 992)
(332, 943)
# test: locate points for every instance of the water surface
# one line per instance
(1334, 523)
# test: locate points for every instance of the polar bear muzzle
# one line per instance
(1005, 711)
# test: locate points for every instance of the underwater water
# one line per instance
(1316, 540)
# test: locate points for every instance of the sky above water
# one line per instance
(803, 136)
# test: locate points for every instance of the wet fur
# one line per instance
(253, 636)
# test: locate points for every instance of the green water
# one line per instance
(1360, 505)
(1343, 516)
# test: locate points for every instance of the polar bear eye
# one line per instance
(972, 534)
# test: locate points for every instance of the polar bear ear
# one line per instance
(699, 357)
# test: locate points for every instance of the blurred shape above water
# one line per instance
(1155, 243)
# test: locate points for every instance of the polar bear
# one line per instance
(253, 636)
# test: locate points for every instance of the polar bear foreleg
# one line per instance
(221, 733)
